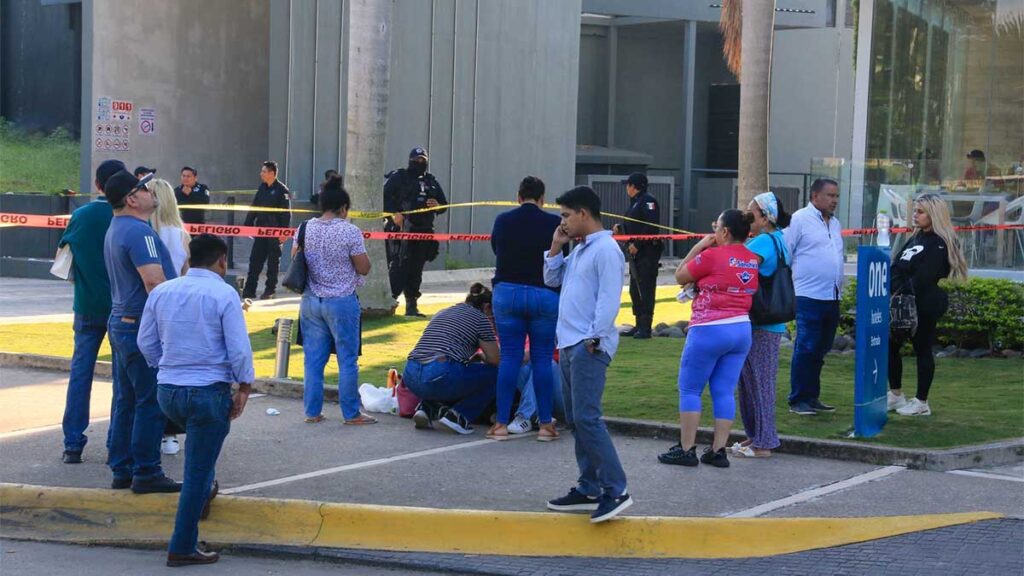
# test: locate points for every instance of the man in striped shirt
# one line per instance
(137, 262)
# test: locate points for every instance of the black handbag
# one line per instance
(903, 313)
(297, 276)
(775, 299)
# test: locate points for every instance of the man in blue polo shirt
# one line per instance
(137, 262)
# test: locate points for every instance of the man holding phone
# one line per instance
(587, 340)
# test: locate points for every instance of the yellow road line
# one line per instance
(88, 515)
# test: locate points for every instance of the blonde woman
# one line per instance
(166, 221)
(930, 254)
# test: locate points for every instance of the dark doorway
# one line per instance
(723, 126)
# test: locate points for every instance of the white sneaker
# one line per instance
(915, 408)
(519, 425)
(894, 401)
(169, 445)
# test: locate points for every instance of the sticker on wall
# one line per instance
(103, 109)
(147, 121)
(121, 110)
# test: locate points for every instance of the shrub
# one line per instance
(983, 312)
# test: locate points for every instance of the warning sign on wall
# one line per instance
(147, 121)
(113, 121)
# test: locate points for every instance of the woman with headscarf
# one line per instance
(757, 379)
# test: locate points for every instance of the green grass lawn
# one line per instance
(37, 163)
(972, 400)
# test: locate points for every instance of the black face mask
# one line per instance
(417, 168)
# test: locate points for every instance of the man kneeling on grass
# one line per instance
(193, 329)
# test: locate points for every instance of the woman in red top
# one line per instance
(718, 340)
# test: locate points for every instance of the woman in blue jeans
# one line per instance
(524, 306)
(329, 315)
(453, 389)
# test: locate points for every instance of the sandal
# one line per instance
(361, 420)
(547, 433)
(314, 419)
(498, 432)
(748, 452)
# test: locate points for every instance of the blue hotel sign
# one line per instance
(872, 356)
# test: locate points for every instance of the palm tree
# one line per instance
(747, 30)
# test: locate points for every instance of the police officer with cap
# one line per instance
(190, 192)
(407, 189)
(643, 255)
(272, 193)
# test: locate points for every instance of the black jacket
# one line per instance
(404, 191)
(643, 207)
(921, 262)
(200, 194)
(274, 196)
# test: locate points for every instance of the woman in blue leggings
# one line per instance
(719, 337)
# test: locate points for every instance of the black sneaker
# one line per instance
(643, 334)
(817, 406)
(421, 418)
(610, 507)
(716, 458)
(121, 483)
(72, 457)
(157, 485)
(629, 333)
(574, 501)
(267, 296)
(676, 456)
(456, 422)
(803, 409)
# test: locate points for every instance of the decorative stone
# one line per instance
(979, 353)
(1012, 353)
(675, 332)
(661, 327)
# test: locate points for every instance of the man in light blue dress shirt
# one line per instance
(192, 329)
(814, 238)
(591, 281)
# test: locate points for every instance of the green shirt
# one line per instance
(85, 234)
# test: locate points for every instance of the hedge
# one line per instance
(983, 312)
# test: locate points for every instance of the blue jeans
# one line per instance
(583, 378)
(816, 323)
(528, 399)
(89, 334)
(713, 355)
(521, 311)
(136, 423)
(202, 411)
(326, 321)
(467, 388)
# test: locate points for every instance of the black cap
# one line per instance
(418, 153)
(976, 155)
(139, 170)
(638, 180)
(106, 169)
(120, 185)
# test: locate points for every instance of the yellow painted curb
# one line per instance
(86, 515)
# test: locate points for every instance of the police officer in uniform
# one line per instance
(405, 189)
(191, 193)
(643, 255)
(271, 194)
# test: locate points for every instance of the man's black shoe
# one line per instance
(206, 507)
(631, 332)
(160, 484)
(676, 456)
(121, 483)
(803, 409)
(574, 501)
(267, 296)
(817, 406)
(643, 334)
(197, 557)
(72, 457)
(716, 458)
(610, 507)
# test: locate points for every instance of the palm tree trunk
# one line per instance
(755, 90)
(369, 60)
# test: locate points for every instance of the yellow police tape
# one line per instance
(377, 215)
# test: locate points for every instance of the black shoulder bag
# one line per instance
(775, 299)
(903, 312)
(298, 274)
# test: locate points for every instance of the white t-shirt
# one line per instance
(174, 239)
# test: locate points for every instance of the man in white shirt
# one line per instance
(814, 238)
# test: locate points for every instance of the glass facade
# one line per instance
(946, 115)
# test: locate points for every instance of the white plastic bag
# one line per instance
(62, 264)
(376, 399)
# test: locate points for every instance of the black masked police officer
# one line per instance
(271, 194)
(643, 255)
(405, 189)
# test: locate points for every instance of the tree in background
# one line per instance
(747, 30)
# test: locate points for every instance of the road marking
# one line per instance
(816, 492)
(28, 431)
(986, 475)
(362, 465)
